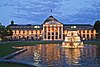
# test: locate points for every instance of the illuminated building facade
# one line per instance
(51, 29)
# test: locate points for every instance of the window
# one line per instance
(92, 31)
(48, 33)
(44, 36)
(19, 31)
(19, 37)
(31, 31)
(36, 26)
(15, 31)
(87, 31)
(83, 31)
(56, 37)
(56, 33)
(36, 35)
(84, 35)
(52, 33)
(48, 37)
(88, 36)
(73, 26)
(23, 31)
(60, 36)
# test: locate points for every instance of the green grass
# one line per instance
(93, 43)
(5, 50)
(5, 64)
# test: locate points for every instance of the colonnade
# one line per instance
(52, 32)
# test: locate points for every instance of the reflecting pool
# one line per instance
(52, 55)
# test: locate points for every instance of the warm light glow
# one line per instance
(72, 40)
(38, 32)
(72, 55)
(36, 26)
(73, 26)
(34, 32)
(50, 25)
(54, 25)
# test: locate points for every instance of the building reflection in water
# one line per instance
(73, 56)
(50, 55)
(98, 55)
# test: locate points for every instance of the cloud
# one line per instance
(66, 11)
(34, 10)
(85, 15)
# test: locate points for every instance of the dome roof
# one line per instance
(51, 19)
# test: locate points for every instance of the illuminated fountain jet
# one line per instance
(72, 40)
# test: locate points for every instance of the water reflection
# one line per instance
(98, 55)
(53, 56)
(73, 56)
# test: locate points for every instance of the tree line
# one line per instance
(97, 28)
(5, 32)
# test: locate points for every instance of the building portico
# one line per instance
(52, 29)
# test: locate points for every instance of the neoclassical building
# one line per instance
(51, 29)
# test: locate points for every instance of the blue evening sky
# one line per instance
(36, 11)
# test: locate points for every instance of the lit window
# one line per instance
(73, 26)
(36, 26)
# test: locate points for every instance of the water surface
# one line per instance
(53, 56)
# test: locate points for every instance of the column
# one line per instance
(81, 33)
(86, 34)
(89, 34)
(43, 32)
(54, 32)
(46, 32)
(50, 32)
(62, 32)
(58, 32)
(94, 34)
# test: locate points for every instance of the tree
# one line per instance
(9, 31)
(0, 30)
(97, 28)
(97, 25)
(5, 32)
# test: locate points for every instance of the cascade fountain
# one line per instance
(72, 40)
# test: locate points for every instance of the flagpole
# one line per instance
(51, 11)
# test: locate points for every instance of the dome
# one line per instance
(51, 20)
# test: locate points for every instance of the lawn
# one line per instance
(92, 42)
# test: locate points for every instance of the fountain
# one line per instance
(72, 40)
